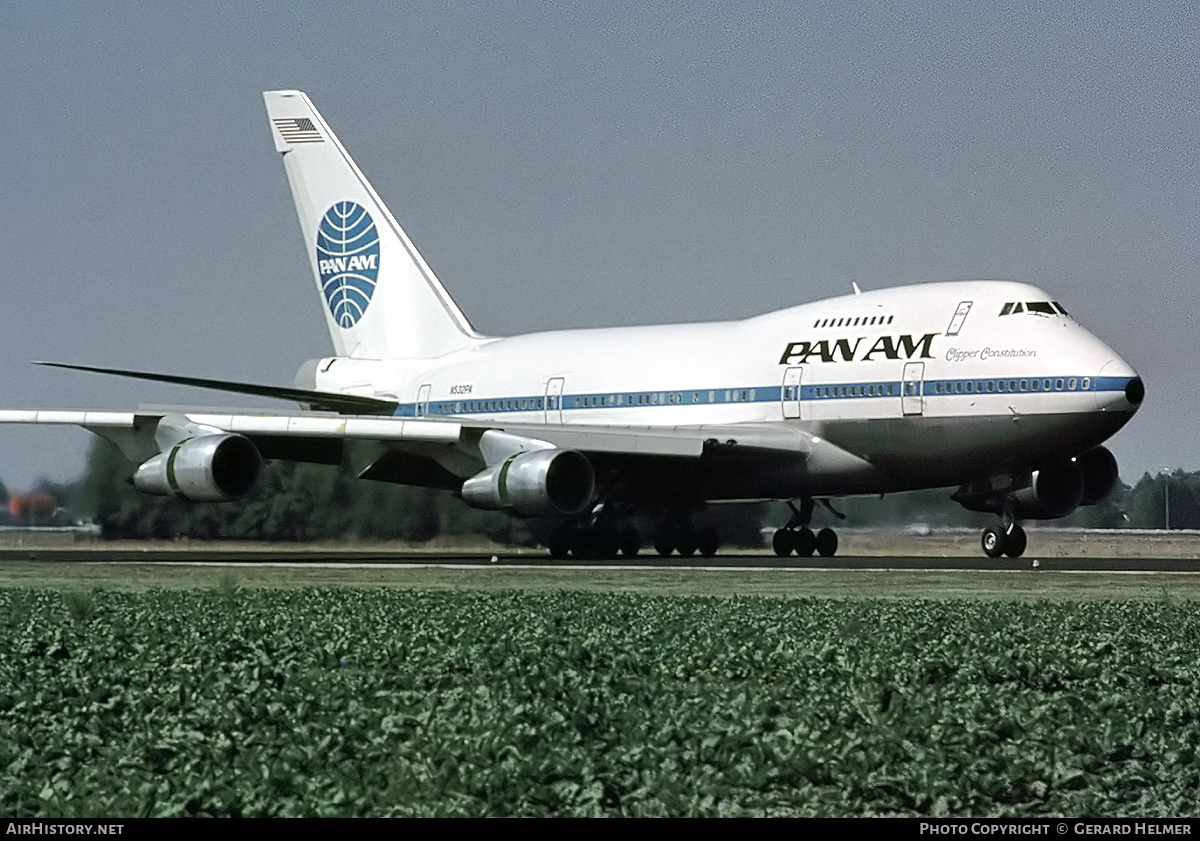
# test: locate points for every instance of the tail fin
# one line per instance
(382, 301)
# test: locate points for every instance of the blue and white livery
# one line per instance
(620, 435)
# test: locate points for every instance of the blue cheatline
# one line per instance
(662, 398)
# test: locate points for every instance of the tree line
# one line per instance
(307, 502)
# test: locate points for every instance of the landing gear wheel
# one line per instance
(559, 543)
(1015, 542)
(827, 543)
(583, 545)
(664, 545)
(708, 542)
(559, 547)
(606, 542)
(631, 542)
(993, 542)
(784, 542)
(806, 543)
(686, 542)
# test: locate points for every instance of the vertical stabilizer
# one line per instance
(381, 300)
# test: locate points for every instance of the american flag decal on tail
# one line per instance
(298, 130)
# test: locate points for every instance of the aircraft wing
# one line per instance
(444, 452)
(679, 441)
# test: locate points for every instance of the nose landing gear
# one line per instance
(1009, 540)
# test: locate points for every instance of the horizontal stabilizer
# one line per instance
(323, 400)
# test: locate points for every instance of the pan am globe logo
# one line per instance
(347, 261)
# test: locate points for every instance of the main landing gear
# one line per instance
(585, 541)
(685, 539)
(797, 537)
(607, 534)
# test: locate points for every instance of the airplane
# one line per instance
(618, 435)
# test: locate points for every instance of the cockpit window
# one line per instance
(1039, 307)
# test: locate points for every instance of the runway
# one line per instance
(276, 556)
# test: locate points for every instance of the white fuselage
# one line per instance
(912, 379)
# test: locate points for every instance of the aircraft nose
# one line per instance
(1118, 388)
(1135, 392)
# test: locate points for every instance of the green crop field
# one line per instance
(228, 700)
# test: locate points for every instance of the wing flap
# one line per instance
(686, 441)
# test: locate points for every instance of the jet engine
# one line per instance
(1053, 491)
(208, 468)
(535, 483)
(1099, 468)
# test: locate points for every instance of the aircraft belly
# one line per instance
(924, 451)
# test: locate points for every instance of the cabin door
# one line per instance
(790, 395)
(911, 401)
(960, 315)
(554, 391)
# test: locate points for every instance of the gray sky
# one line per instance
(570, 164)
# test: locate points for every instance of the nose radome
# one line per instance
(1135, 391)
(1118, 387)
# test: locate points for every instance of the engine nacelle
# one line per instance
(1054, 491)
(209, 468)
(1099, 468)
(537, 483)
